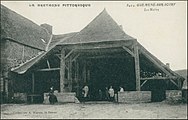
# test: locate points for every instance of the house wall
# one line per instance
(13, 54)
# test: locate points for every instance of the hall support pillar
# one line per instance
(77, 77)
(84, 72)
(62, 70)
(77, 72)
(70, 75)
(137, 66)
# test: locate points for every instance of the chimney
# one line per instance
(47, 27)
(121, 27)
(168, 65)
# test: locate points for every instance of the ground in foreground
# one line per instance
(94, 110)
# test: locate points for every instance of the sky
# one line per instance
(160, 27)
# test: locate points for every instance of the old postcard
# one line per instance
(93, 59)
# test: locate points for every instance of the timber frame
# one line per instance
(133, 48)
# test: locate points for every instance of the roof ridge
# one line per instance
(102, 27)
(104, 10)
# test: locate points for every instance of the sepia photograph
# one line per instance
(93, 60)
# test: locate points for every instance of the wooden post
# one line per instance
(33, 83)
(33, 86)
(84, 72)
(6, 88)
(179, 84)
(48, 63)
(76, 71)
(70, 75)
(77, 78)
(62, 70)
(5, 84)
(88, 75)
(137, 66)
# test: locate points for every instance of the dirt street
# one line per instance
(94, 110)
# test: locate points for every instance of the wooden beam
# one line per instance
(99, 47)
(84, 72)
(58, 55)
(88, 75)
(101, 50)
(158, 78)
(49, 41)
(76, 57)
(129, 51)
(76, 79)
(179, 83)
(137, 67)
(48, 63)
(49, 69)
(143, 83)
(103, 56)
(107, 44)
(70, 75)
(69, 53)
(174, 83)
(77, 71)
(62, 70)
(33, 86)
(66, 67)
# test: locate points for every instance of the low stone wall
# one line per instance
(62, 97)
(134, 96)
(170, 94)
(20, 97)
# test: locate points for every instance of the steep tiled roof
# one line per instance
(22, 30)
(102, 28)
(56, 40)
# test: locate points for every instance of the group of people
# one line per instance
(103, 94)
(112, 92)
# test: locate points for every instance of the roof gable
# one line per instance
(102, 28)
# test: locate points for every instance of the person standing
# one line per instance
(121, 89)
(52, 98)
(86, 90)
(100, 94)
(111, 93)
